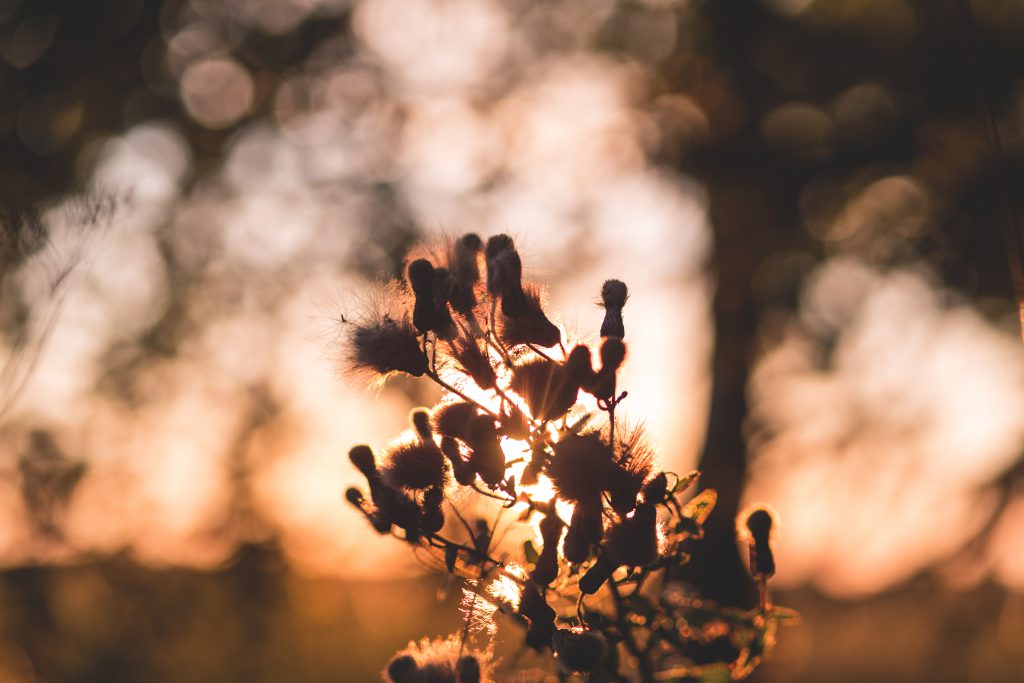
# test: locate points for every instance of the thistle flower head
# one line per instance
(580, 466)
(453, 418)
(471, 360)
(613, 298)
(410, 463)
(529, 325)
(382, 340)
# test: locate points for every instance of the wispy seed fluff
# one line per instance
(530, 325)
(384, 341)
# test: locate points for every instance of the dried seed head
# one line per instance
(580, 466)
(385, 347)
(537, 382)
(474, 362)
(414, 465)
(581, 651)
(634, 458)
(613, 298)
(452, 419)
(530, 325)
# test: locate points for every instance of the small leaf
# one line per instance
(701, 505)
(686, 481)
(784, 615)
(530, 553)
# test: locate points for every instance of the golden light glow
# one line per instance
(507, 588)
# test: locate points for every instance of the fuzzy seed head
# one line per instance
(452, 419)
(414, 465)
(421, 277)
(614, 294)
(530, 325)
(580, 466)
(386, 347)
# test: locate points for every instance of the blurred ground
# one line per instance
(257, 621)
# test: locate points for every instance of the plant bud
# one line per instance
(547, 564)
(487, 458)
(585, 530)
(403, 669)
(467, 670)
(613, 352)
(362, 457)
(419, 418)
(433, 516)
(465, 273)
(540, 616)
(613, 298)
(758, 525)
(505, 274)
(656, 489)
(421, 280)
(355, 497)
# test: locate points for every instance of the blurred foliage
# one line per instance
(789, 112)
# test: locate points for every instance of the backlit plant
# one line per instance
(528, 424)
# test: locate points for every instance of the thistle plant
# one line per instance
(529, 427)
